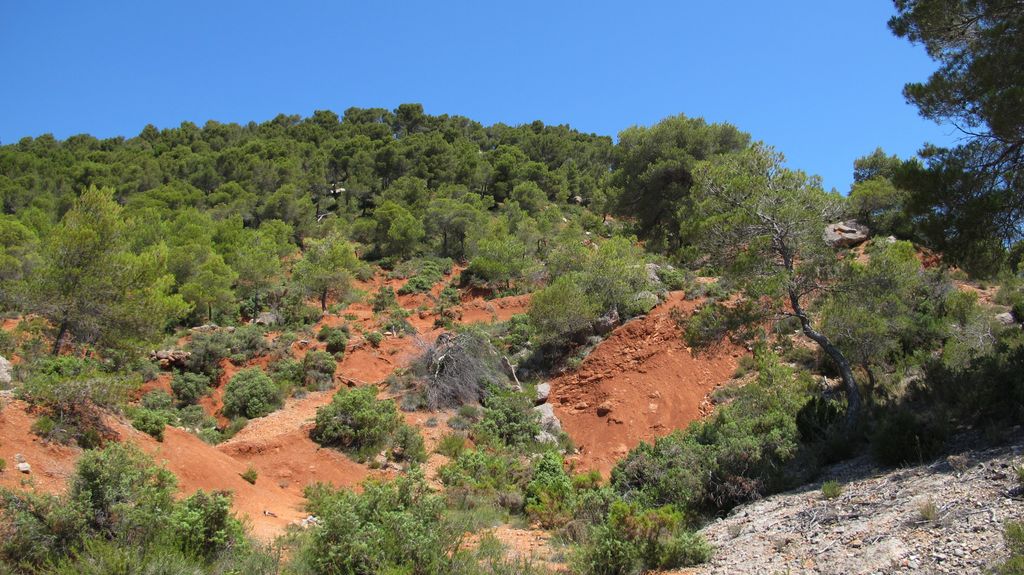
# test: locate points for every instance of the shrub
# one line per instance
(205, 525)
(318, 370)
(634, 539)
(451, 445)
(122, 490)
(906, 438)
(337, 342)
(157, 400)
(483, 470)
(250, 474)
(384, 299)
(189, 387)
(737, 455)
(150, 422)
(927, 510)
(407, 445)
(207, 349)
(251, 393)
(356, 421)
(391, 527)
(3, 464)
(508, 419)
(287, 373)
(193, 417)
(375, 338)
(549, 494)
(562, 311)
(831, 489)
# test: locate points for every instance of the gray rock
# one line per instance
(548, 420)
(1005, 318)
(845, 234)
(607, 322)
(653, 273)
(267, 318)
(647, 300)
(543, 392)
(24, 467)
(5, 371)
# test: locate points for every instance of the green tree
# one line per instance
(972, 192)
(210, 287)
(93, 288)
(763, 225)
(326, 268)
(654, 168)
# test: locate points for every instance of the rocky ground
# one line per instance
(946, 517)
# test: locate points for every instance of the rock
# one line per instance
(205, 328)
(19, 458)
(647, 300)
(168, 358)
(577, 200)
(653, 273)
(24, 467)
(548, 420)
(845, 234)
(5, 371)
(607, 322)
(267, 318)
(604, 409)
(543, 392)
(1005, 318)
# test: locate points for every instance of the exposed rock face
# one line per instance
(267, 318)
(6, 371)
(845, 234)
(168, 358)
(607, 322)
(1003, 318)
(543, 391)
(876, 524)
(550, 427)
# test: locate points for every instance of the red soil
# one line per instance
(52, 464)
(640, 383)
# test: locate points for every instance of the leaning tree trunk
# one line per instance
(323, 301)
(853, 401)
(60, 335)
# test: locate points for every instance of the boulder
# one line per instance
(845, 234)
(1006, 318)
(205, 328)
(24, 467)
(6, 371)
(168, 358)
(647, 300)
(607, 322)
(267, 318)
(548, 420)
(543, 392)
(653, 273)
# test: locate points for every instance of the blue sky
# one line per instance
(821, 81)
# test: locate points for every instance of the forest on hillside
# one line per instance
(209, 253)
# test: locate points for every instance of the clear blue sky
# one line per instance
(821, 81)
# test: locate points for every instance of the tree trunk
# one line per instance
(209, 312)
(853, 401)
(60, 335)
(323, 301)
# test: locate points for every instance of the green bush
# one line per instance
(318, 370)
(549, 494)
(391, 527)
(287, 373)
(739, 454)
(906, 438)
(251, 393)
(508, 419)
(337, 342)
(205, 525)
(157, 400)
(484, 471)
(384, 299)
(407, 445)
(356, 421)
(634, 539)
(150, 422)
(831, 489)
(250, 475)
(375, 338)
(188, 387)
(451, 445)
